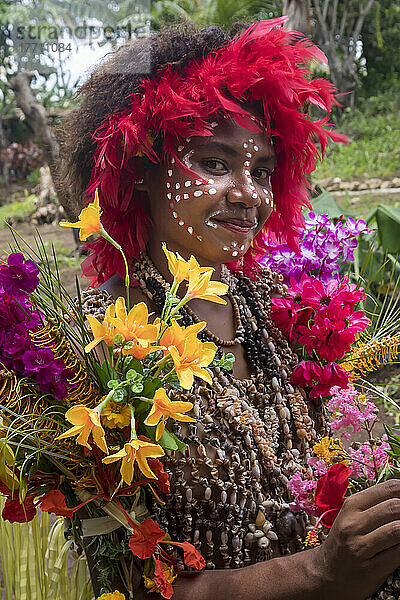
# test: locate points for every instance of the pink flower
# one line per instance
(371, 457)
(303, 492)
(349, 409)
(318, 466)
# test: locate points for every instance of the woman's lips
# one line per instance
(241, 229)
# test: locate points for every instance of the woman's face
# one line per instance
(217, 215)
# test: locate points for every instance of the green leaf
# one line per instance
(133, 375)
(119, 395)
(169, 441)
(104, 372)
(388, 220)
(131, 363)
(137, 387)
(151, 386)
(112, 383)
(325, 204)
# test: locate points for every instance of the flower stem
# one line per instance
(133, 424)
(118, 247)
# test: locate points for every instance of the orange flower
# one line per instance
(163, 409)
(102, 332)
(179, 267)
(135, 451)
(134, 327)
(200, 286)
(89, 219)
(192, 360)
(175, 335)
(86, 421)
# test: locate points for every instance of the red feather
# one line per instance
(265, 63)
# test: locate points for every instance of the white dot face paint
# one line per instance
(234, 249)
(186, 159)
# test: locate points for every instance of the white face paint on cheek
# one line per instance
(246, 164)
(234, 249)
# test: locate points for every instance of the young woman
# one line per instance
(209, 153)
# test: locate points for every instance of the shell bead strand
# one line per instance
(230, 499)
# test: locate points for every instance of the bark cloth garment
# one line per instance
(228, 492)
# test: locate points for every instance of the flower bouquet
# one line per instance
(84, 406)
(318, 314)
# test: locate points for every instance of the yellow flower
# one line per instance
(102, 332)
(200, 286)
(163, 409)
(135, 451)
(115, 414)
(179, 267)
(112, 596)
(327, 449)
(192, 360)
(89, 219)
(86, 421)
(134, 326)
(151, 584)
(175, 335)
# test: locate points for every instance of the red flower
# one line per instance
(191, 556)
(15, 512)
(331, 374)
(164, 587)
(306, 373)
(162, 477)
(145, 538)
(331, 489)
(54, 502)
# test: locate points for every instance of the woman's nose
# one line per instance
(244, 191)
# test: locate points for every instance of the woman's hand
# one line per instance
(363, 546)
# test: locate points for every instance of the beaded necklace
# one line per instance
(230, 497)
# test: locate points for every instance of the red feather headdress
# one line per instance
(266, 64)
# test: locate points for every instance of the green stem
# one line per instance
(118, 247)
(184, 300)
(168, 374)
(133, 424)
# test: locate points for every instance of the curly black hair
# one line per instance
(109, 87)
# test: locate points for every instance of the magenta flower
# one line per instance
(19, 277)
(306, 373)
(40, 364)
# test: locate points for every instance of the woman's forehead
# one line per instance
(228, 134)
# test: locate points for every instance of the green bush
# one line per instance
(374, 148)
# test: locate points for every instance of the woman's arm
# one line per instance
(361, 551)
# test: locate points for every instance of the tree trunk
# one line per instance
(299, 13)
(36, 115)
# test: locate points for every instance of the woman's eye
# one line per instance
(265, 174)
(212, 164)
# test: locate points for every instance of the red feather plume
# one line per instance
(266, 64)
